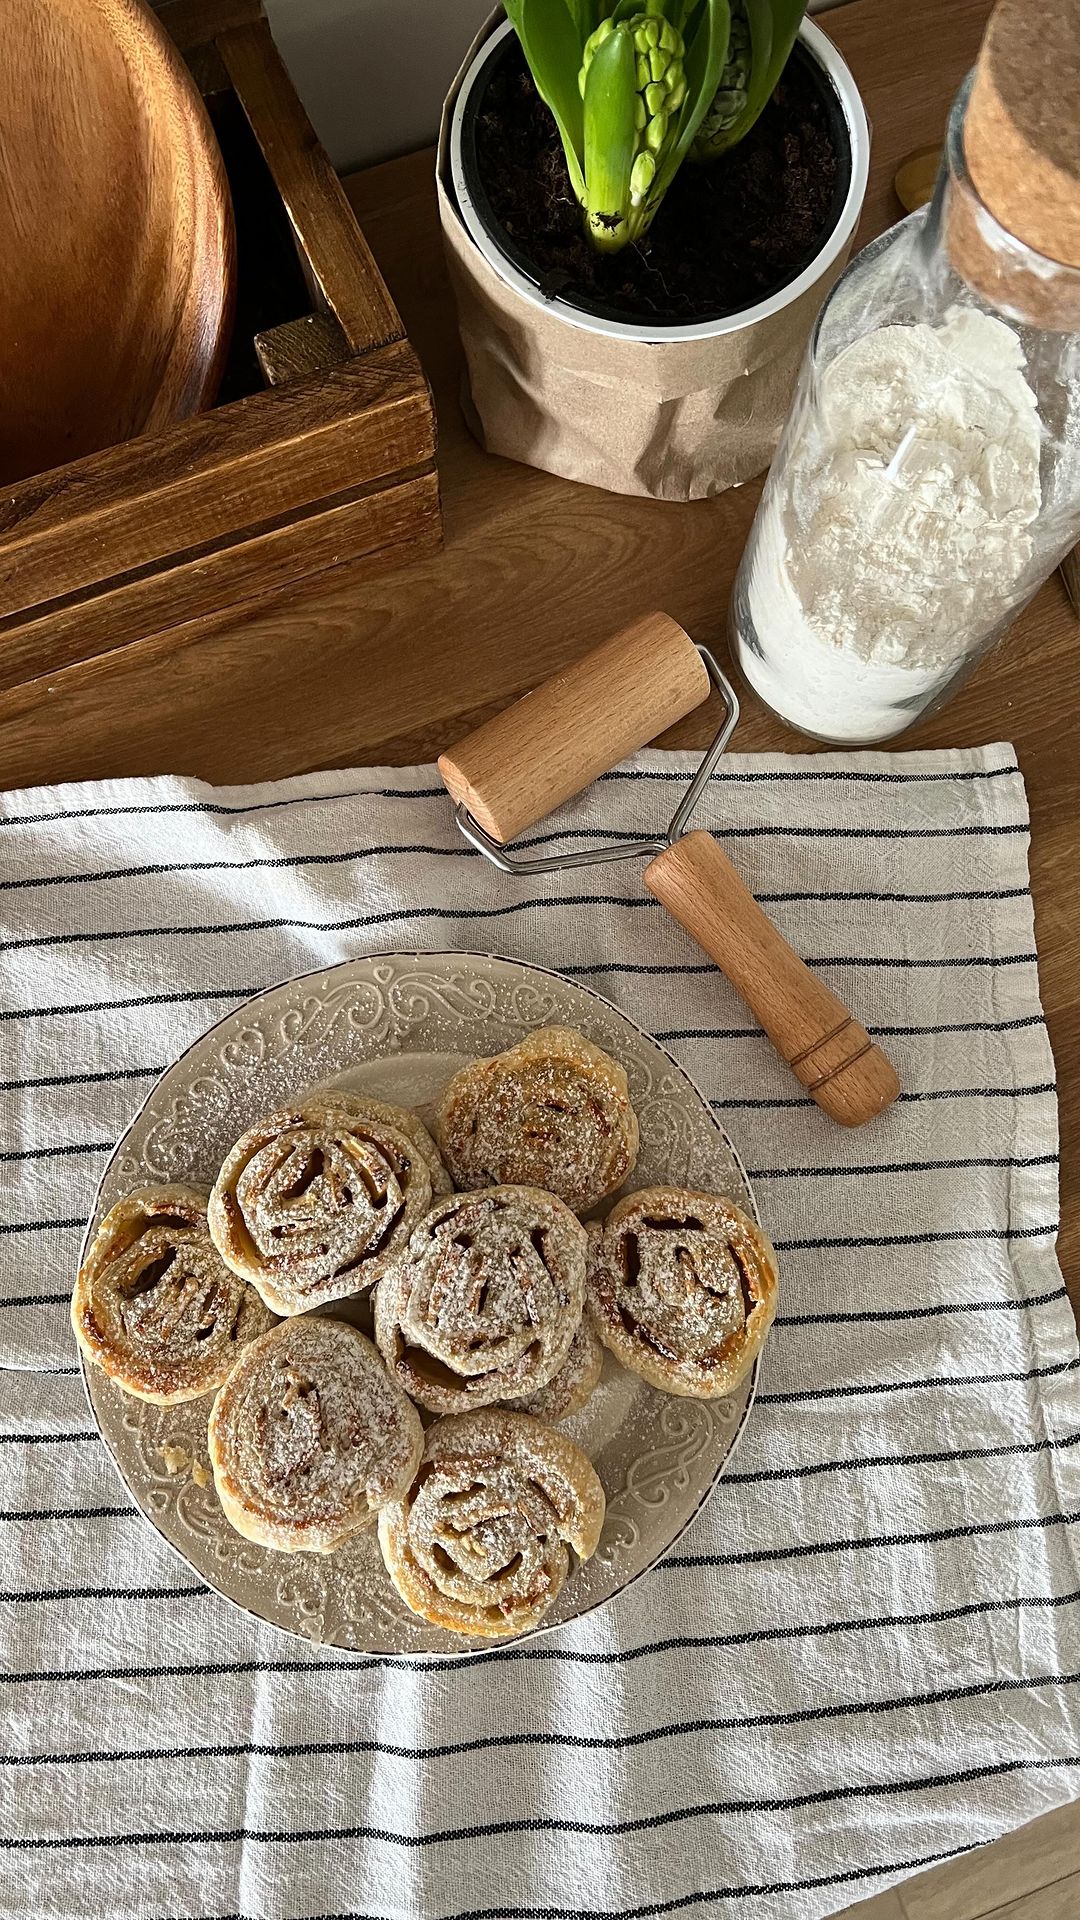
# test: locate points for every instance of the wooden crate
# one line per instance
(320, 451)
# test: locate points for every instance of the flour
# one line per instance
(896, 539)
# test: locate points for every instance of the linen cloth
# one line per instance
(863, 1656)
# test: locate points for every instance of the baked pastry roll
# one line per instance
(309, 1436)
(484, 1302)
(553, 1112)
(575, 1382)
(314, 1202)
(682, 1289)
(155, 1305)
(403, 1120)
(482, 1542)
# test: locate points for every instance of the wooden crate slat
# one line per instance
(331, 245)
(214, 478)
(374, 524)
(300, 347)
(192, 23)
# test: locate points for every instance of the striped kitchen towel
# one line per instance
(865, 1654)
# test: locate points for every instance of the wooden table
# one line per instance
(536, 570)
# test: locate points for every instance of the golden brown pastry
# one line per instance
(682, 1289)
(155, 1305)
(309, 1436)
(403, 1120)
(314, 1202)
(553, 1112)
(484, 1302)
(482, 1541)
(575, 1382)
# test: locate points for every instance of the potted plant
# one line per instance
(644, 203)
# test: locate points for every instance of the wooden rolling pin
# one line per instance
(517, 768)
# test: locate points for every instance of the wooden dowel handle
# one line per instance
(517, 768)
(833, 1056)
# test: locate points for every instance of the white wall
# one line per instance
(372, 73)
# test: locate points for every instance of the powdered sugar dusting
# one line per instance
(553, 1112)
(481, 1542)
(681, 1288)
(574, 1383)
(310, 1433)
(485, 1301)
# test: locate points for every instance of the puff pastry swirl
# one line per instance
(485, 1301)
(484, 1539)
(314, 1202)
(154, 1304)
(309, 1435)
(553, 1112)
(682, 1289)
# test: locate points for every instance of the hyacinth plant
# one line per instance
(762, 35)
(634, 87)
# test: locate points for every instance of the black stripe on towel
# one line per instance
(761, 1556)
(765, 777)
(908, 1386)
(460, 1663)
(729, 1105)
(397, 915)
(656, 1909)
(494, 1829)
(82, 1079)
(588, 1743)
(942, 1310)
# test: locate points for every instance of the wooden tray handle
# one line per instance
(520, 766)
(833, 1056)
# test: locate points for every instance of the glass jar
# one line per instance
(928, 479)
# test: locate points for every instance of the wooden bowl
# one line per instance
(116, 233)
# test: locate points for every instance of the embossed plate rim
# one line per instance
(447, 958)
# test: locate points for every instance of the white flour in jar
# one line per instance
(897, 570)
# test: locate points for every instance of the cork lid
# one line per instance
(1022, 127)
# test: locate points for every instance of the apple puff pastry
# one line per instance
(309, 1435)
(484, 1539)
(553, 1112)
(574, 1384)
(314, 1202)
(154, 1304)
(485, 1300)
(681, 1289)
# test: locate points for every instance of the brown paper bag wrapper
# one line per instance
(672, 422)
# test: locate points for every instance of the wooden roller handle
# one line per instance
(833, 1056)
(517, 768)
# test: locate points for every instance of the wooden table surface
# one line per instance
(537, 570)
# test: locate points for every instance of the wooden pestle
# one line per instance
(518, 767)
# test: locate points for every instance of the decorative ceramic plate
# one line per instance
(396, 1026)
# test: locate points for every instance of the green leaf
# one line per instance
(585, 15)
(774, 27)
(706, 54)
(549, 40)
(610, 139)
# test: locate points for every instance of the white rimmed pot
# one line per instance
(673, 412)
